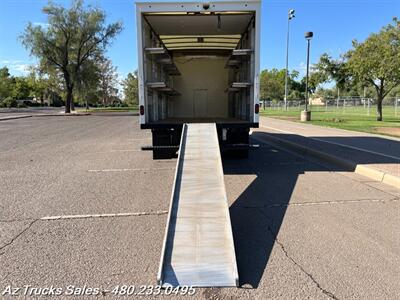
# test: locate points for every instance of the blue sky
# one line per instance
(334, 23)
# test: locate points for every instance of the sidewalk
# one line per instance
(374, 156)
(15, 115)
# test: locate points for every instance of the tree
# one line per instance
(97, 82)
(272, 84)
(55, 85)
(326, 93)
(5, 83)
(108, 79)
(38, 85)
(376, 61)
(21, 88)
(88, 83)
(296, 88)
(328, 69)
(73, 36)
(130, 85)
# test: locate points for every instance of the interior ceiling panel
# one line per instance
(200, 48)
(174, 42)
(199, 24)
(200, 45)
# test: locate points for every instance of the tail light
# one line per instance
(257, 108)
(141, 110)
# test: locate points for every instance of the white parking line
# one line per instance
(131, 170)
(63, 217)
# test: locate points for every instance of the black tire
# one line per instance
(162, 154)
(242, 153)
(167, 138)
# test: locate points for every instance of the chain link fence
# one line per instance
(357, 105)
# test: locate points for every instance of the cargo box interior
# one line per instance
(198, 67)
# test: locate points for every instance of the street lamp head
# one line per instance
(308, 35)
(291, 14)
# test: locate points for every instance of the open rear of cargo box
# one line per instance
(198, 64)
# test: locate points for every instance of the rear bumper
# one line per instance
(179, 125)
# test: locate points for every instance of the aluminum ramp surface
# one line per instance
(198, 247)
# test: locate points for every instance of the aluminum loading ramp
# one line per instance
(198, 247)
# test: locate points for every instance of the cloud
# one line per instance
(11, 62)
(21, 68)
(41, 24)
(301, 68)
(16, 67)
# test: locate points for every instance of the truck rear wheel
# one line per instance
(235, 141)
(162, 154)
(242, 153)
(165, 143)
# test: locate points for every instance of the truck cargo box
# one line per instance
(198, 62)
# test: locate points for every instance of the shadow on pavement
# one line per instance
(377, 150)
(258, 212)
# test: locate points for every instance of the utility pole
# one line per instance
(308, 37)
(290, 17)
(306, 114)
(365, 95)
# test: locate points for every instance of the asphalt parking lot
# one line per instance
(302, 229)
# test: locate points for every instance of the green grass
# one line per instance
(350, 118)
(109, 109)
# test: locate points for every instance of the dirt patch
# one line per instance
(394, 131)
(335, 120)
(287, 118)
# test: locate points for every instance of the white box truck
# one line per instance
(198, 62)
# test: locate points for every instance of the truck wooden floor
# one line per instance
(198, 247)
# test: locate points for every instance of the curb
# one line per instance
(63, 115)
(363, 170)
(135, 114)
(15, 117)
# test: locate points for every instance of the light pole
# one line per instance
(290, 16)
(306, 114)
